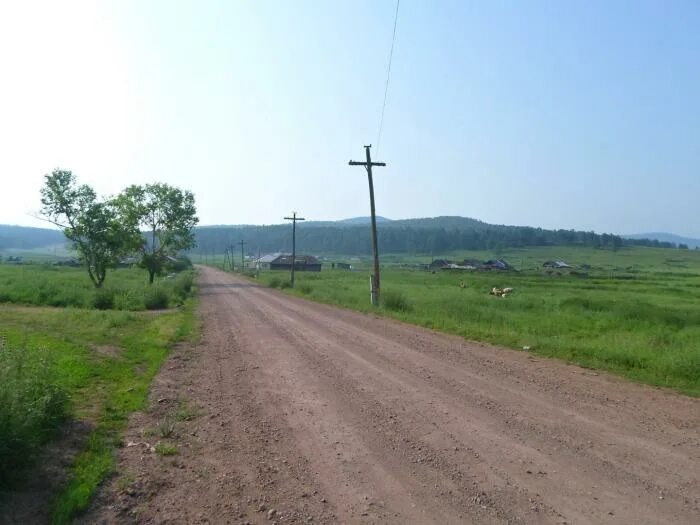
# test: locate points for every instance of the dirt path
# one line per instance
(308, 413)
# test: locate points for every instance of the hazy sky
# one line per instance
(557, 114)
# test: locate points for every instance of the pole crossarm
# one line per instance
(358, 163)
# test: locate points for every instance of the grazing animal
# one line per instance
(500, 292)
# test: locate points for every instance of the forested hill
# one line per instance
(429, 235)
(352, 236)
(24, 238)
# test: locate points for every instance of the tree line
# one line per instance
(416, 236)
(155, 221)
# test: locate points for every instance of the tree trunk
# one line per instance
(151, 276)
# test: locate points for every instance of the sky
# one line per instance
(576, 114)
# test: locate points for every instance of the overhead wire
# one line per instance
(388, 75)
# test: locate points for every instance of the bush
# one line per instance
(31, 407)
(155, 299)
(285, 284)
(128, 299)
(274, 282)
(305, 288)
(183, 284)
(103, 299)
(396, 301)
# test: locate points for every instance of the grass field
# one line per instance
(80, 363)
(635, 312)
(124, 289)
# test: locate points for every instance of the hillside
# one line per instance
(351, 236)
(25, 238)
(423, 235)
(666, 237)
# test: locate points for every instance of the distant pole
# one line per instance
(242, 243)
(294, 220)
(374, 294)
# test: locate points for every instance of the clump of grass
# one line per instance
(103, 299)
(165, 449)
(305, 288)
(166, 427)
(185, 412)
(32, 407)
(285, 284)
(156, 298)
(275, 282)
(396, 301)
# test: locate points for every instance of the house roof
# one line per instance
(287, 257)
(270, 257)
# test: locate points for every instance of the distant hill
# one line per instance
(26, 238)
(356, 221)
(424, 235)
(351, 237)
(666, 237)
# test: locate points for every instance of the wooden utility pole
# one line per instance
(242, 243)
(374, 297)
(294, 220)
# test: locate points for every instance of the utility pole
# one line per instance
(294, 220)
(242, 243)
(374, 297)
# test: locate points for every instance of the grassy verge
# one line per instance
(124, 289)
(103, 362)
(635, 313)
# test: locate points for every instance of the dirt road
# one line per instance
(308, 413)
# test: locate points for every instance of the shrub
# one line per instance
(274, 282)
(305, 288)
(396, 301)
(155, 298)
(285, 284)
(128, 300)
(31, 407)
(103, 299)
(183, 284)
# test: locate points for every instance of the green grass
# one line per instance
(32, 406)
(635, 312)
(165, 449)
(103, 361)
(124, 288)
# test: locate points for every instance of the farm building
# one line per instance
(438, 264)
(283, 261)
(495, 264)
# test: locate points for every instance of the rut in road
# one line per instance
(327, 415)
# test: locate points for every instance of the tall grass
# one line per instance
(124, 289)
(32, 406)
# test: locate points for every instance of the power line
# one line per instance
(388, 74)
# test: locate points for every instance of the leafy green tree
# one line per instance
(167, 215)
(94, 227)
